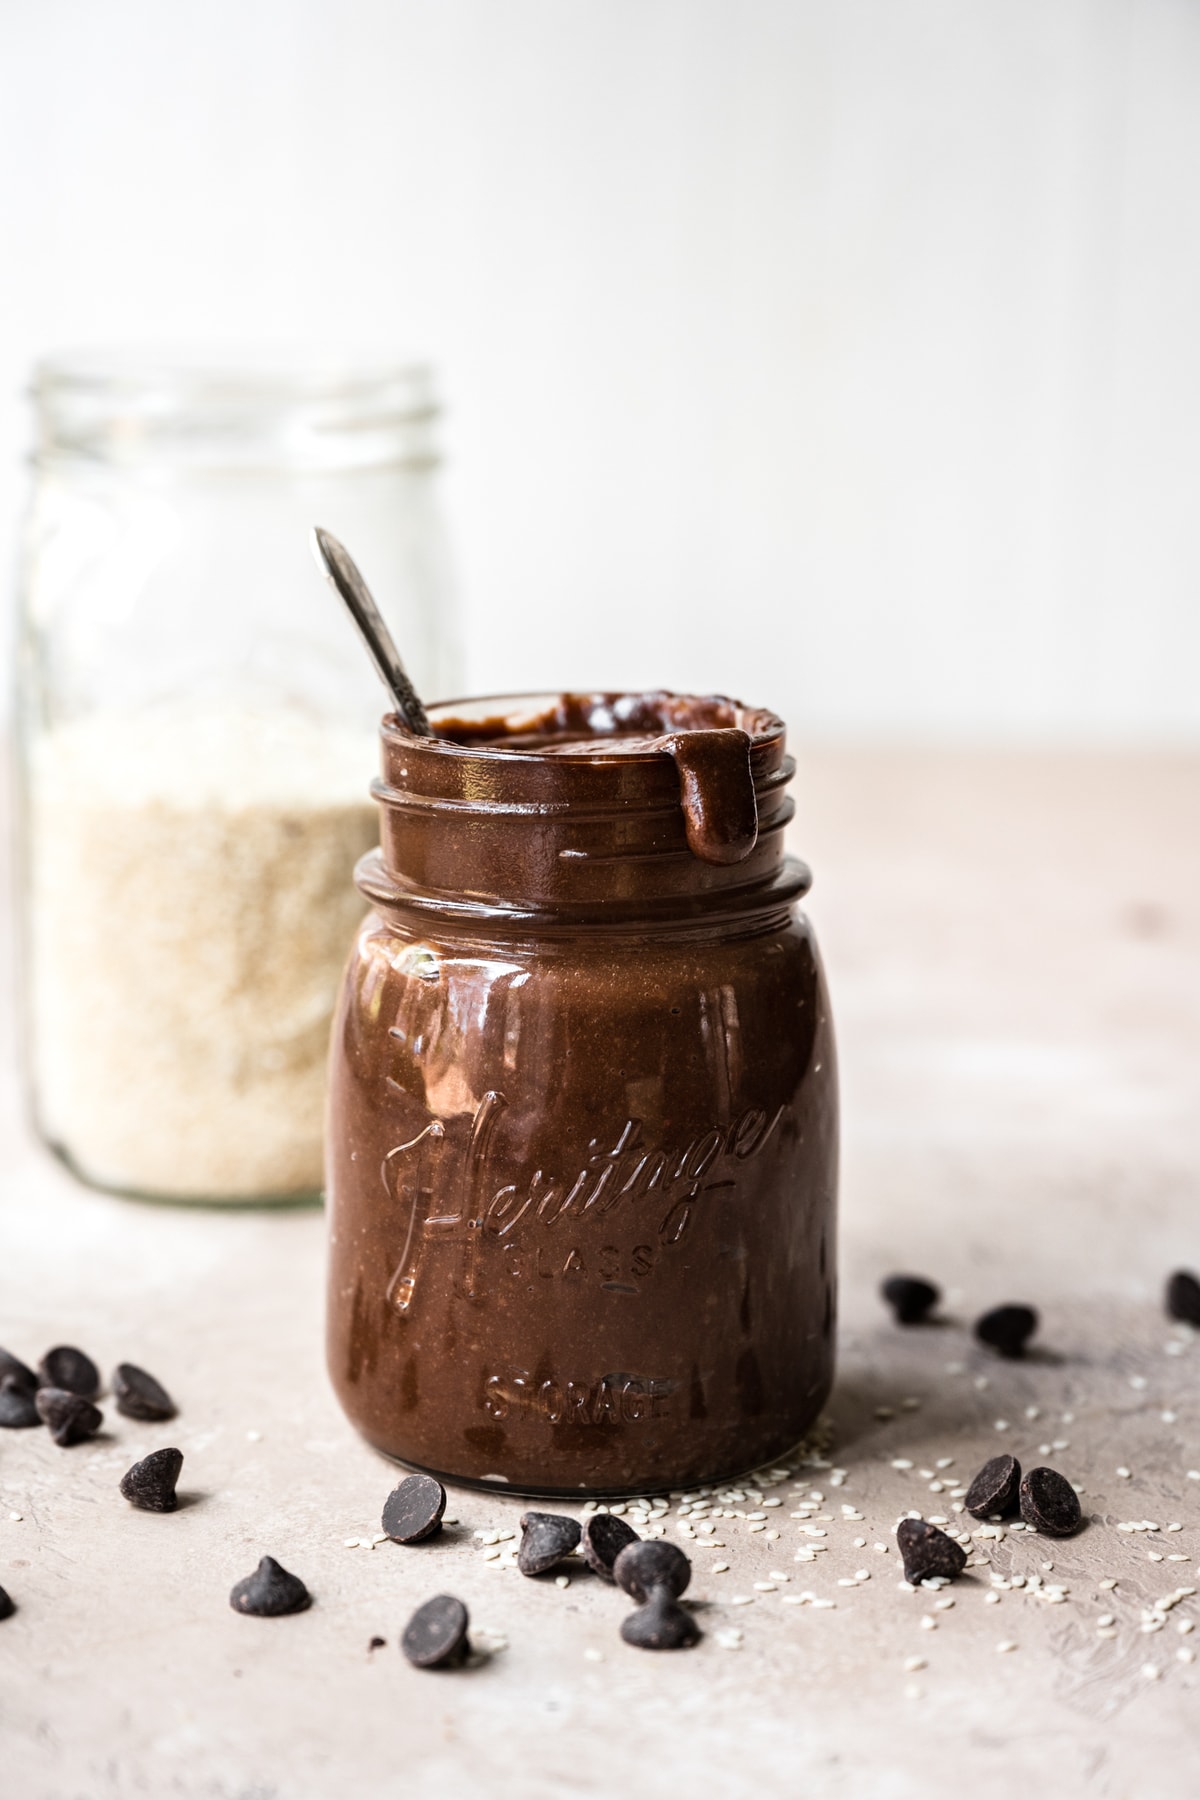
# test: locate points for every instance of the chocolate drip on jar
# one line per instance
(717, 787)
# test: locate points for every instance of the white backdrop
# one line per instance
(841, 353)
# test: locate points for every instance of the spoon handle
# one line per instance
(336, 562)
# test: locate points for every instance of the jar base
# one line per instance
(585, 1491)
(310, 1197)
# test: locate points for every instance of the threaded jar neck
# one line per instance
(237, 413)
(578, 807)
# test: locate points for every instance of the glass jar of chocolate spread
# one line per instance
(582, 1146)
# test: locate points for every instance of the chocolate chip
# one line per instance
(270, 1592)
(413, 1511)
(8, 1606)
(69, 1416)
(927, 1552)
(642, 1567)
(376, 1643)
(994, 1489)
(68, 1368)
(1183, 1297)
(1007, 1329)
(437, 1633)
(910, 1297)
(603, 1538)
(545, 1539)
(1050, 1504)
(139, 1396)
(17, 1408)
(20, 1372)
(150, 1484)
(661, 1624)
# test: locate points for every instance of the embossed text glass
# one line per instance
(583, 1122)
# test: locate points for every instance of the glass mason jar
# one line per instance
(582, 1145)
(194, 715)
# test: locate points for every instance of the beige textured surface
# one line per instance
(1014, 950)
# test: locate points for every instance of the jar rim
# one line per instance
(170, 413)
(520, 714)
(264, 374)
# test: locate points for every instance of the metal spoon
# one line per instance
(336, 562)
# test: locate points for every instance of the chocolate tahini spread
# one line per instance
(582, 1143)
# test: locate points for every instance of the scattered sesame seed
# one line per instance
(562, 1581)
(764, 1587)
(882, 1548)
(1185, 1654)
(1124, 1473)
(1184, 1626)
(944, 1604)
(593, 1655)
(1001, 1424)
(1110, 1581)
(254, 1437)
(742, 1600)
(901, 1462)
(1106, 1619)
(730, 1639)
(928, 1623)
(912, 1691)
(913, 1663)
(720, 1569)
(1137, 1381)
(1033, 1412)
(16, 1517)
(991, 1599)
(1151, 1671)
(1005, 1645)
